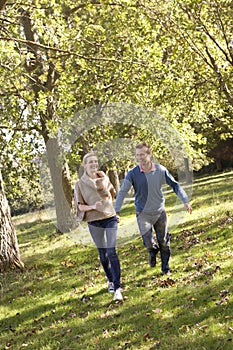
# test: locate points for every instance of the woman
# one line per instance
(93, 198)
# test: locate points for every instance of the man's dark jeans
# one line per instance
(148, 221)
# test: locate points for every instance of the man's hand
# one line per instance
(118, 218)
(188, 207)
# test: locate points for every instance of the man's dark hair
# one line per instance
(144, 144)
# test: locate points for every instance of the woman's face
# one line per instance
(91, 165)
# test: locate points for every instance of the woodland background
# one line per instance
(62, 63)
(60, 57)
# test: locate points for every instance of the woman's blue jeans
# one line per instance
(104, 233)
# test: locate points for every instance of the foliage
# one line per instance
(60, 301)
(61, 58)
(58, 58)
(196, 84)
(23, 199)
(20, 173)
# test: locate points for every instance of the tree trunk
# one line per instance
(113, 177)
(61, 187)
(66, 184)
(9, 249)
(188, 174)
(36, 67)
(218, 163)
(2, 4)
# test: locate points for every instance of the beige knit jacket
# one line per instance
(88, 191)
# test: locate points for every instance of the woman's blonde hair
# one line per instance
(91, 154)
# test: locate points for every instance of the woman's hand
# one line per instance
(97, 205)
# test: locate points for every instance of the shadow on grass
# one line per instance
(142, 319)
(34, 231)
(59, 302)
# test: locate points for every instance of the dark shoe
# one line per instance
(110, 287)
(152, 257)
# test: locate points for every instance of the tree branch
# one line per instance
(224, 34)
(2, 4)
(33, 128)
(215, 42)
(71, 53)
(222, 84)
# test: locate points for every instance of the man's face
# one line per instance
(142, 156)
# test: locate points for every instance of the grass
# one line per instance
(60, 301)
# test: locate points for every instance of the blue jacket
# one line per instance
(148, 189)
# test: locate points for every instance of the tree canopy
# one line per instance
(60, 57)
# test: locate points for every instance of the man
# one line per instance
(147, 179)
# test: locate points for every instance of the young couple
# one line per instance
(94, 196)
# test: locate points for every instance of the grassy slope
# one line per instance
(60, 300)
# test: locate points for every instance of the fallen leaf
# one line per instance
(68, 263)
(205, 326)
(157, 311)
(166, 283)
(106, 334)
(146, 336)
(224, 292)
